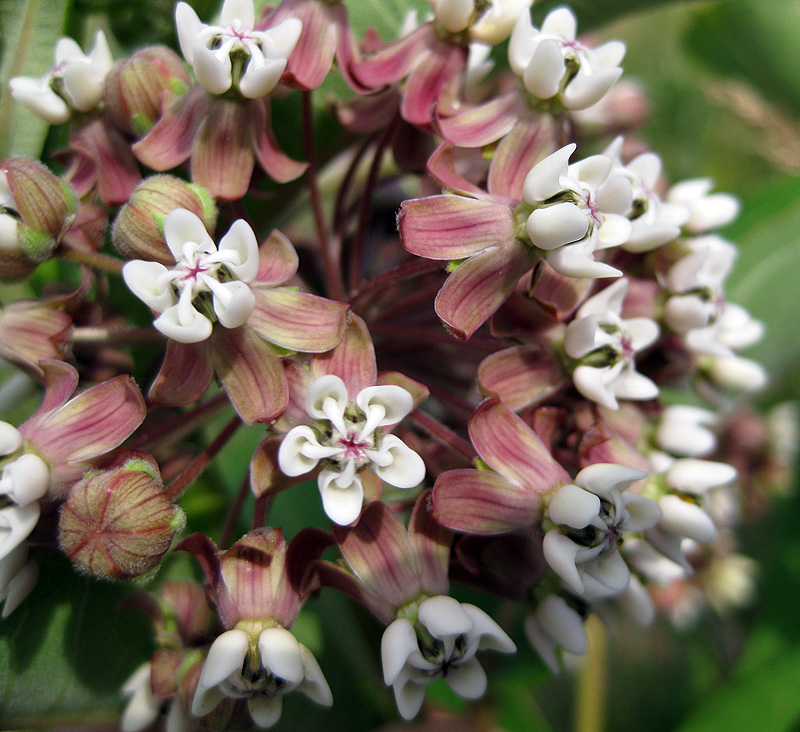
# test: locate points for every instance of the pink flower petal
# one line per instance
(482, 125)
(277, 261)
(429, 79)
(442, 166)
(431, 543)
(521, 376)
(185, 374)
(397, 60)
(352, 360)
(530, 142)
(275, 163)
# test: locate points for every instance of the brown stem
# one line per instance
(234, 512)
(339, 214)
(407, 270)
(93, 259)
(443, 434)
(115, 334)
(201, 462)
(330, 247)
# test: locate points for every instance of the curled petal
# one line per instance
(184, 324)
(226, 655)
(394, 402)
(327, 399)
(300, 451)
(562, 623)
(233, 302)
(182, 227)
(16, 524)
(561, 553)
(684, 518)
(544, 179)
(314, 685)
(213, 70)
(610, 570)
(280, 655)
(26, 479)
(240, 242)
(573, 506)
(577, 260)
(643, 513)
(342, 504)
(398, 642)
(142, 279)
(554, 226)
(398, 464)
(604, 479)
(490, 635)
(444, 617)
(689, 475)
(546, 69)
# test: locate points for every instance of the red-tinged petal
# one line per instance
(33, 331)
(379, 551)
(419, 392)
(546, 423)
(482, 125)
(92, 423)
(276, 164)
(513, 449)
(298, 320)
(266, 478)
(208, 556)
(482, 502)
(251, 374)
(397, 60)
(347, 53)
(301, 556)
(558, 294)
(170, 142)
(520, 376)
(481, 285)
(453, 227)
(277, 261)
(60, 381)
(184, 376)
(332, 575)
(531, 141)
(352, 360)
(442, 166)
(431, 542)
(368, 114)
(222, 159)
(438, 69)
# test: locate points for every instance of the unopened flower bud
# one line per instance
(117, 524)
(138, 230)
(139, 89)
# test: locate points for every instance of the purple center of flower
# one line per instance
(593, 209)
(353, 446)
(627, 347)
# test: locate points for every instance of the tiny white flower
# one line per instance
(590, 516)
(347, 437)
(578, 209)
(260, 672)
(686, 431)
(553, 624)
(233, 54)
(74, 84)
(604, 345)
(442, 643)
(708, 211)
(552, 63)
(207, 284)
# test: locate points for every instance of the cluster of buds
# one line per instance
(526, 319)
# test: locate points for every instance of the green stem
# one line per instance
(94, 260)
(590, 690)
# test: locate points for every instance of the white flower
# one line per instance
(655, 222)
(553, 63)
(142, 708)
(207, 284)
(233, 54)
(707, 211)
(685, 431)
(18, 576)
(237, 668)
(497, 21)
(605, 346)
(578, 209)
(590, 516)
(74, 84)
(441, 644)
(347, 438)
(555, 623)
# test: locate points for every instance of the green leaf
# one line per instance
(67, 649)
(30, 31)
(592, 15)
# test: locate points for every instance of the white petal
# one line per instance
(20, 587)
(491, 636)
(643, 332)
(683, 518)
(573, 506)
(444, 617)
(142, 709)
(593, 384)
(16, 524)
(240, 248)
(636, 603)
(225, 657)
(182, 227)
(560, 553)
(9, 232)
(668, 544)
(205, 700)
(587, 89)
(542, 642)
(631, 384)
(327, 399)
(83, 86)
(577, 260)
(409, 696)
(144, 279)
(398, 642)
(257, 82)
(560, 22)
(280, 655)
(177, 719)
(189, 27)
(241, 10)
(609, 569)
(546, 69)
(233, 302)
(284, 37)
(396, 401)
(468, 680)
(10, 439)
(643, 512)
(67, 50)
(583, 335)
(454, 15)
(300, 452)
(397, 464)
(342, 504)
(554, 226)
(314, 685)
(11, 564)
(264, 710)
(520, 45)
(184, 324)
(29, 477)
(212, 69)
(614, 231)
(44, 103)
(683, 313)
(544, 179)
(690, 475)
(563, 624)
(684, 430)
(604, 479)
(738, 373)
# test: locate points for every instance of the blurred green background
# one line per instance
(722, 79)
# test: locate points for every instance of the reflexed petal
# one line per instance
(398, 642)
(29, 479)
(468, 680)
(643, 513)
(184, 376)
(573, 506)
(562, 623)
(546, 69)
(142, 279)
(684, 518)
(257, 83)
(610, 570)
(521, 375)
(314, 685)
(265, 710)
(577, 260)
(560, 553)
(280, 655)
(544, 180)
(399, 465)
(554, 226)
(491, 636)
(342, 505)
(240, 241)
(184, 324)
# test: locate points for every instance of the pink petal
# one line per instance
(332, 575)
(431, 543)
(481, 285)
(397, 60)
(437, 69)
(222, 160)
(379, 552)
(530, 142)
(277, 261)
(251, 374)
(266, 477)
(170, 142)
(482, 125)
(442, 166)
(276, 164)
(185, 374)
(521, 376)
(558, 294)
(513, 449)
(482, 502)
(453, 227)
(352, 360)
(298, 320)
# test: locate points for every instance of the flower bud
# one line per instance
(138, 230)
(117, 524)
(139, 89)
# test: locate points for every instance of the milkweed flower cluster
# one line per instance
(479, 399)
